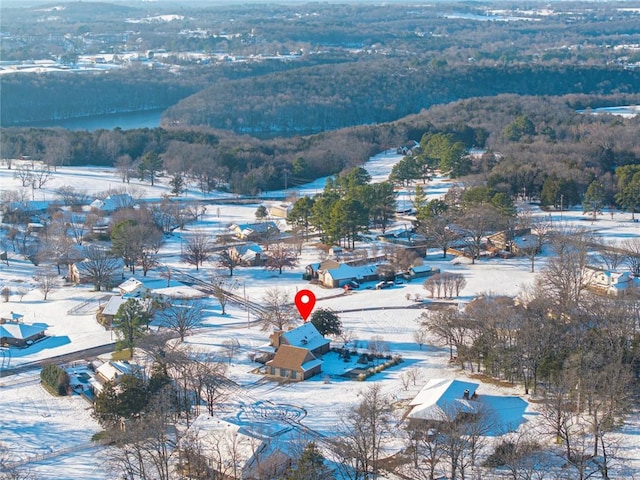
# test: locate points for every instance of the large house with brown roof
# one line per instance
(293, 363)
(298, 352)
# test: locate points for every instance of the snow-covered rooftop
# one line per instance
(305, 336)
(442, 399)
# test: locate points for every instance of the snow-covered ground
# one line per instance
(52, 435)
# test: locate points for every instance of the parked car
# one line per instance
(381, 285)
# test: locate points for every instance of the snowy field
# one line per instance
(52, 435)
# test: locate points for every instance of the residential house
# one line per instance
(113, 202)
(110, 310)
(293, 363)
(159, 289)
(132, 287)
(17, 334)
(304, 336)
(311, 270)
(513, 241)
(420, 271)
(255, 231)
(111, 371)
(610, 282)
(29, 207)
(343, 274)
(443, 400)
(249, 254)
(77, 274)
(408, 148)
(403, 236)
(296, 354)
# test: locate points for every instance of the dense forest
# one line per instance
(369, 92)
(289, 69)
(27, 98)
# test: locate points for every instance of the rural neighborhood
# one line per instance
(206, 312)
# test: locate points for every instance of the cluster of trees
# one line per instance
(542, 155)
(55, 379)
(199, 158)
(445, 285)
(69, 95)
(575, 350)
(349, 205)
(464, 218)
(369, 92)
(138, 412)
(447, 152)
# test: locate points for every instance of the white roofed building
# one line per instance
(343, 274)
(20, 334)
(444, 399)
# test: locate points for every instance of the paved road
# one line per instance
(66, 358)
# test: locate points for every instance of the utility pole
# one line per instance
(246, 303)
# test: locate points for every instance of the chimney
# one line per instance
(274, 338)
(465, 395)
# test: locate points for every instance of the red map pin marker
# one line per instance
(305, 301)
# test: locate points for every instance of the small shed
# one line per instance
(280, 210)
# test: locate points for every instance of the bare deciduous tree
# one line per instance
(445, 284)
(540, 228)
(69, 195)
(47, 280)
(363, 431)
(229, 260)
(24, 174)
(631, 249)
(279, 312)
(99, 266)
(231, 347)
(420, 337)
(477, 221)
(565, 276)
(197, 249)
(124, 166)
(452, 328)
(181, 316)
(221, 287)
(281, 257)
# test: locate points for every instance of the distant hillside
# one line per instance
(330, 97)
